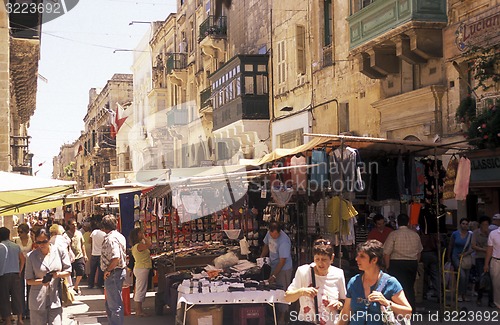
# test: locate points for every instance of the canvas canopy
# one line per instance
(21, 191)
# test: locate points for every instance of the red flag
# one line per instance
(119, 118)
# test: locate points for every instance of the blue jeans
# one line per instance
(114, 303)
(95, 264)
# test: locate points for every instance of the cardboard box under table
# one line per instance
(203, 315)
(187, 301)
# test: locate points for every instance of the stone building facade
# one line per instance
(19, 55)
(95, 150)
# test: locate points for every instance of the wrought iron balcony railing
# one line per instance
(213, 27)
(176, 61)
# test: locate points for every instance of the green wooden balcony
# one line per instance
(382, 16)
(205, 100)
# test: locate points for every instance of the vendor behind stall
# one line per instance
(279, 247)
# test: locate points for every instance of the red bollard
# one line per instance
(126, 300)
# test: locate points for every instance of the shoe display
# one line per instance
(460, 299)
(466, 298)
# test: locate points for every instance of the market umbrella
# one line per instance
(20, 191)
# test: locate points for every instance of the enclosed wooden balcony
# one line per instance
(385, 31)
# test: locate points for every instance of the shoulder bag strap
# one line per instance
(316, 313)
(467, 242)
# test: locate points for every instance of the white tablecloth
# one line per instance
(235, 297)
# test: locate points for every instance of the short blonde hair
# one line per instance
(56, 229)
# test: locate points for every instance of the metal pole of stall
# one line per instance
(341, 198)
(436, 178)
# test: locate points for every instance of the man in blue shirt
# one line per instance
(11, 262)
(279, 247)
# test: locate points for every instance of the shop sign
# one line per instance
(480, 30)
(485, 169)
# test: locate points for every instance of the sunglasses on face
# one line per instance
(40, 242)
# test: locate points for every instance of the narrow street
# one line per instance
(89, 309)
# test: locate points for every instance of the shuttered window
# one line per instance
(300, 35)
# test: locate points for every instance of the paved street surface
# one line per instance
(89, 309)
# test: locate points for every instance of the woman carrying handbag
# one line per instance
(319, 287)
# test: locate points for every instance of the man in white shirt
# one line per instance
(495, 222)
(96, 239)
(492, 263)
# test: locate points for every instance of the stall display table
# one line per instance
(271, 297)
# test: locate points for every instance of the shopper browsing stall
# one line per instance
(142, 266)
(279, 247)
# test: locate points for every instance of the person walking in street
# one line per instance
(368, 291)
(96, 239)
(381, 231)
(45, 267)
(492, 264)
(78, 248)
(26, 244)
(279, 247)
(329, 289)
(429, 257)
(86, 232)
(401, 255)
(142, 267)
(113, 263)
(495, 221)
(460, 246)
(480, 245)
(11, 263)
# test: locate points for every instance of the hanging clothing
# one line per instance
(299, 175)
(419, 180)
(345, 174)
(431, 178)
(339, 211)
(461, 188)
(281, 196)
(318, 174)
(385, 185)
(449, 181)
(415, 213)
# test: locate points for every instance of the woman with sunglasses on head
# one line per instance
(319, 287)
(45, 266)
(368, 291)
